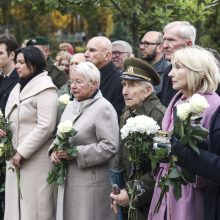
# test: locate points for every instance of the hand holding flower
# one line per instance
(2, 133)
(57, 156)
(62, 154)
(17, 160)
(54, 157)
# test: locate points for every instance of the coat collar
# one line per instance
(145, 109)
(75, 108)
(212, 98)
(35, 86)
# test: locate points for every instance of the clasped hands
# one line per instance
(120, 199)
(57, 156)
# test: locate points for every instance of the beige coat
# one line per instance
(33, 113)
(87, 187)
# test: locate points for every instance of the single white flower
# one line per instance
(141, 124)
(64, 99)
(65, 126)
(1, 114)
(198, 103)
(183, 111)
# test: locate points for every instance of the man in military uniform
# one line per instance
(58, 77)
(139, 78)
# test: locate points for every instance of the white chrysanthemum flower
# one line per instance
(64, 99)
(141, 124)
(65, 126)
(183, 111)
(198, 103)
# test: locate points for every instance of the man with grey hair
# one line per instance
(121, 50)
(177, 34)
(99, 52)
(151, 50)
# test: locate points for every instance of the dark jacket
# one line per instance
(6, 85)
(111, 87)
(160, 67)
(207, 164)
(153, 108)
(58, 77)
(167, 92)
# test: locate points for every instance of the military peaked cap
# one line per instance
(39, 40)
(136, 69)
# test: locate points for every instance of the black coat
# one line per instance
(6, 85)
(207, 164)
(111, 87)
(161, 68)
(167, 91)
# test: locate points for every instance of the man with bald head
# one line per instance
(151, 50)
(99, 52)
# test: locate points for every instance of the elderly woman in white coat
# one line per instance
(85, 195)
(32, 109)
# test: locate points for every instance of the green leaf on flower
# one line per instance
(177, 191)
(72, 151)
(174, 173)
(192, 144)
(197, 138)
(199, 130)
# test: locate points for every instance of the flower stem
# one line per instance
(17, 170)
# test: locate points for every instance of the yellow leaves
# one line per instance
(59, 20)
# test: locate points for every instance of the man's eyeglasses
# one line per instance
(146, 43)
(118, 53)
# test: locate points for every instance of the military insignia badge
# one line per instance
(131, 69)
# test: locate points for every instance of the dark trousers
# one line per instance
(2, 190)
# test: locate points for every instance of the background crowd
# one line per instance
(107, 85)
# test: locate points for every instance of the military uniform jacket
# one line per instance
(153, 108)
(58, 77)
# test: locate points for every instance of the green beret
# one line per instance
(136, 69)
(39, 40)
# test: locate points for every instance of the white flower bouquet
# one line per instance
(187, 122)
(188, 130)
(62, 142)
(6, 149)
(138, 134)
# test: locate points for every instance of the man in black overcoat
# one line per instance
(8, 79)
(99, 52)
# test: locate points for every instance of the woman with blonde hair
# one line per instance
(194, 71)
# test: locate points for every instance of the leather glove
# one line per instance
(180, 150)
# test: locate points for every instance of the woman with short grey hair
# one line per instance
(85, 194)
